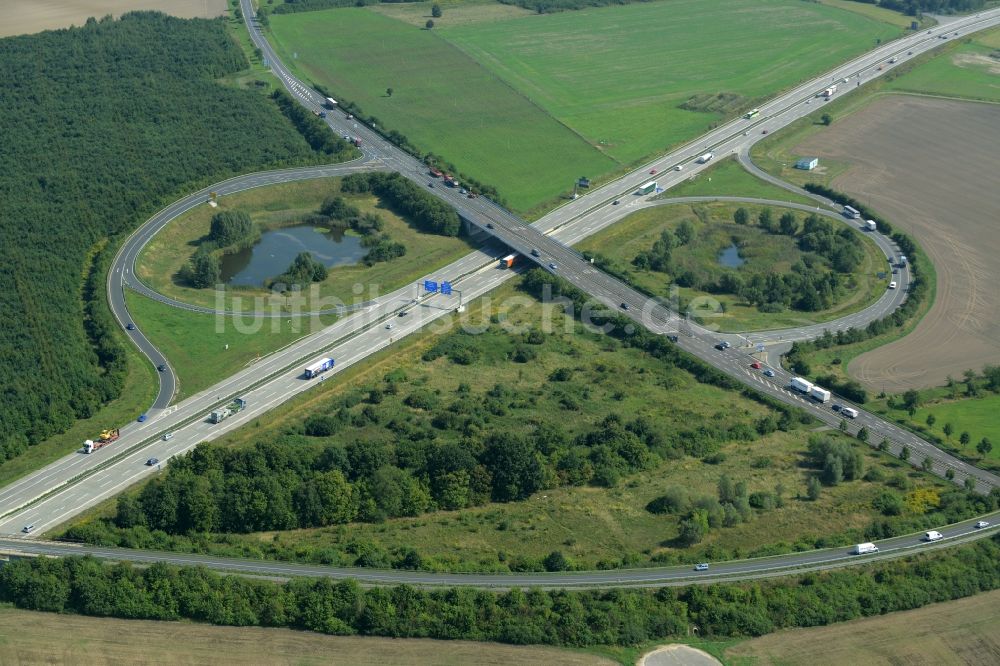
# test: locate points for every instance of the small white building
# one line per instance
(807, 163)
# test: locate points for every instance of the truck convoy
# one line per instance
(318, 368)
(801, 385)
(220, 415)
(508, 261)
(819, 394)
(865, 548)
(702, 159)
(107, 436)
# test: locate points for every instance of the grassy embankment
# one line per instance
(288, 204)
(590, 525)
(547, 109)
(715, 231)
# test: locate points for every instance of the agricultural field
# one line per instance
(715, 231)
(204, 349)
(31, 637)
(590, 508)
(22, 17)
(969, 70)
(952, 633)
(556, 96)
(288, 204)
(944, 198)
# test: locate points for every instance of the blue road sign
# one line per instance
(430, 285)
(446, 288)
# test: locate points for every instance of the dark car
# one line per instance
(430, 184)
(721, 347)
(489, 225)
(535, 252)
(624, 306)
(836, 407)
(402, 314)
(142, 418)
(162, 367)
(322, 114)
(672, 338)
(615, 202)
(153, 461)
(130, 326)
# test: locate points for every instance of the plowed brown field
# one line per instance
(930, 166)
(23, 17)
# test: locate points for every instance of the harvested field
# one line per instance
(955, 633)
(929, 166)
(24, 17)
(49, 638)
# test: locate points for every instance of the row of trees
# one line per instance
(131, 109)
(917, 7)
(316, 133)
(572, 618)
(427, 212)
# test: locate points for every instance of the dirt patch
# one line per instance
(930, 166)
(991, 63)
(23, 17)
(47, 638)
(678, 655)
(959, 632)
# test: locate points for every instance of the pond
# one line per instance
(275, 251)
(730, 257)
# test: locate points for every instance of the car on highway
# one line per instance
(672, 338)
(892, 285)
(909, 53)
(535, 252)
(895, 271)
(130, 326)
(836, 407)
(615, 202)
(430, 184)
(769, 373)
(489, 225)
(471, 195)
(402, 314)
(553, 266)
(27, 529)
(322, 114)
(678, 167)
(167, 436)
(388, 326)
(463, 191)
(722, 346)
(652, 171)
(152, 461)
(763, 131)
(162, 367)
(701, 567)
(142, 418)
(755, 365)
(980, 524)
(624, 306)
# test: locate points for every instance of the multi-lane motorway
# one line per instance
(68, 486)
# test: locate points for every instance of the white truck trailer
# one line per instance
(318, 368)
(801, 385)
(819, 394)
(702, 159)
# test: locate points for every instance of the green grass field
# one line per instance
(196, 343)
(763, 253)
(285, 204)
(977, 416)
(970, 70)
(530, 103)
(728, 178)
(442, 100)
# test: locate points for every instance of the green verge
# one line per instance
(967, 69)
(592, 526)
(196, 343)
(637, 233)
(287, 204)
(728, 178)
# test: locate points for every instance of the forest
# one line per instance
(572, 618)
(103, 124)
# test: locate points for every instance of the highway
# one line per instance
(734, 570)
(76, 482)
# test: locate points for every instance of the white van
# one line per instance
(933, 535)
(865, 548)
(849, 412)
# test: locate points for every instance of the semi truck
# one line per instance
(220, 415)
(647, 188)
(752, 113)
(865, 548)
(828, 93)
(801, 385)
(702, 159)
(330, 103)
(105, 438)
(508, 261)
(318, 368)
(819, 394)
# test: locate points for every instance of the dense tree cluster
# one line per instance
(428, 213)
(815, 282)
(203, 270)
(233, 229)
(336, 211)
(316, 133)
(917, 7)
(103, 124)
(552, 6)
(838, 460)
(573, 618)
(304, 270)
